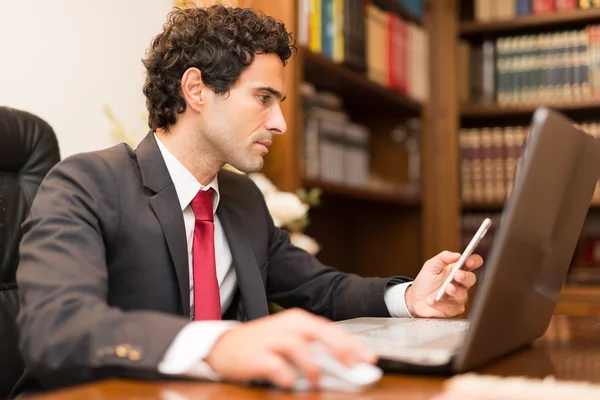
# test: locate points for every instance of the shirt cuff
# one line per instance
(185, 355)
(396, 302)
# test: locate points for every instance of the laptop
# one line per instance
(533, 246)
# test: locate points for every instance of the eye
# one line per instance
(265, 99)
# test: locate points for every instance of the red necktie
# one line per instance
(207, 300)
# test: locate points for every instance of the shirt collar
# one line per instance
(185, 183)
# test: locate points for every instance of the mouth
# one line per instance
(265, 143)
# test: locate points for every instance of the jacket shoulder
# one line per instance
(117, 159)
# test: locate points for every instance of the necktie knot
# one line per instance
(202, 205)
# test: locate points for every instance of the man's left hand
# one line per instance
(420, 296)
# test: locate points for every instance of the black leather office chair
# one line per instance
(28, 149)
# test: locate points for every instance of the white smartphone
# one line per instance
(485, 225)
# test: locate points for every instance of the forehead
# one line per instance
(265, 71)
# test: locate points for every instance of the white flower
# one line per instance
(305, 242)
(264, 184)
(285, 207)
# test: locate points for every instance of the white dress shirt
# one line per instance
(193, 343)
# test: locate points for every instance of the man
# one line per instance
(124, 247)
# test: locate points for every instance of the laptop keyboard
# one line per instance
(411, 333)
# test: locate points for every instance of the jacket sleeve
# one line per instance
(68, 332)
(297, 279)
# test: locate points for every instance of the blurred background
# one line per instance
(407, 116)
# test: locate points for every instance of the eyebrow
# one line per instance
(274, 92)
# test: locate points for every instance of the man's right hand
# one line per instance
(269, 348)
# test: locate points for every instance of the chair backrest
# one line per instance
(28, 150)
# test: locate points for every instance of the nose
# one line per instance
(276, 121)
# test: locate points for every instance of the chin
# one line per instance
(249, 166)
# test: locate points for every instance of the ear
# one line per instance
(193, 89)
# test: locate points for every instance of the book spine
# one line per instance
(502, 73)
(565, 5)
(519, 71)
(393, 51)
(510, 158)
(489, 75)
(316, 32)
(477, 165)
(487, 164)
(466, 161)
(498, 160)
(338, 31)
(523, 7)
(484, 10)
(328, 28)
(542, 6)
(583, 62)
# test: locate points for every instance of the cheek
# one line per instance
(238, 123)
(250, 123)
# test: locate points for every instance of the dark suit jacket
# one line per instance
(103, 274)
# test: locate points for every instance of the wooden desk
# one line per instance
(570, 349)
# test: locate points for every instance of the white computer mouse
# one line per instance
(338, 377)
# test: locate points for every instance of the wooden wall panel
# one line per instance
(441, 206)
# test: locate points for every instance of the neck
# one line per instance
(191, 153)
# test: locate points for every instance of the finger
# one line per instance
(454, 293)
(299, 354)
(449, 257)
(275, 369)
(460, 295)
(441, 261)
(343, 346)
(465, 278)
(473, 262)
(446, 308)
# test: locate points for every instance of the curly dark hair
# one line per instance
(220, 41)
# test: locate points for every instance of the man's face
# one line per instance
(239, 126)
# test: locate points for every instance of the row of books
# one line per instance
(491, 10)
(336, 150)
(490, 159)
(529, 69)
(488, 163)
(388, 49)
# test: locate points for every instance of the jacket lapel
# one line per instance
(165, 204)
(254, 298)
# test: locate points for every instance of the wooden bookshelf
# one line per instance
(498, 206)
(495, 111)
(574, 300)
(530, 23)
(367, 231)
(398, 8)
(489, 206)
(394, 196)
(360, 94)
